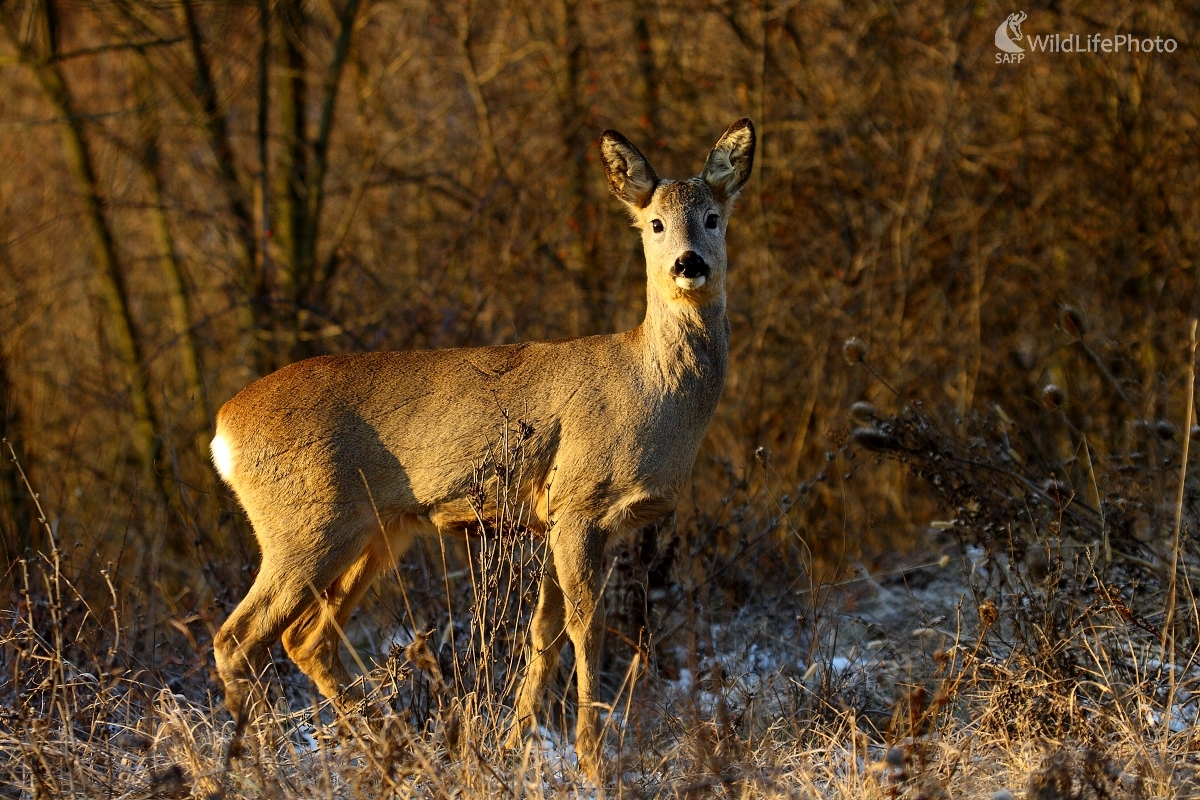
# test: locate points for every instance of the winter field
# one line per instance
(939, 541)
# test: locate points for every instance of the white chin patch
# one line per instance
(688, 284)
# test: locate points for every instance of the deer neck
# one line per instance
(684, 344)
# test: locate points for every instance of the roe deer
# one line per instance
(340, 460)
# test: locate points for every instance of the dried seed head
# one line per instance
(863, 412)
(1037, 563)
(1165, 430)
(1072, 321)
(1055, 488)
(872, 439)
(1053, 396)
(420, 656)
(1026, 352)
(854, 350)
(988, 613)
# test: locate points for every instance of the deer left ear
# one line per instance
(630, 176)
(728, 166)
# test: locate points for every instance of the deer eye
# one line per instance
(656, 225)
(712, 221)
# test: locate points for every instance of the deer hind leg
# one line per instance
(547, 634)
(313, 641)
(299, 560)
(242, 647)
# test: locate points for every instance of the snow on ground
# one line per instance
(862, 637)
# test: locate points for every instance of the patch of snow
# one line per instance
(555, 754)
(305, 738)
(685, 682)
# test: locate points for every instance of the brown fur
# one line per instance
(315, 449)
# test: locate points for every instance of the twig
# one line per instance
(1183, 465)
(1108, 376)
(105, 48)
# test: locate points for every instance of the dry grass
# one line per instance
(81, 722)
(1024, 651)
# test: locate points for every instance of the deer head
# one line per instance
(683, 223)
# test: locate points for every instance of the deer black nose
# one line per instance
(690, 265)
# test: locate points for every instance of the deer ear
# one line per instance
(728, 166)
(630, 176)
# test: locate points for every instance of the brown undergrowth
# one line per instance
(1025, 647)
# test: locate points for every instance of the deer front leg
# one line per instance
(547, 634)
(579, 561)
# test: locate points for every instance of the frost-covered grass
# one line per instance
(1041, 640)
(896, 683)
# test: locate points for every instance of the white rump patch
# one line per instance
(222, 456)
(688, 284)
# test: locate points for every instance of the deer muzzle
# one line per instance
(690, 271)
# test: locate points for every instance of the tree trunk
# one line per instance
(16, 521)
(648, 72)
(109, 271)
(253, 313)
(320, 154)
(177, 292)
(578, 239)
(303, 166)
(291, 174)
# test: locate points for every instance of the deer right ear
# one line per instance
(630, 176)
